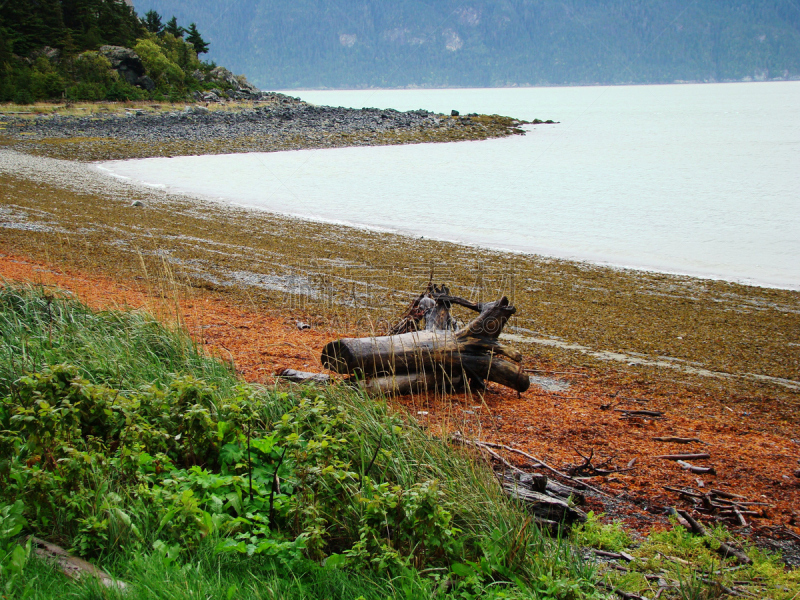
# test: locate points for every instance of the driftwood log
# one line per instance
(549, 509)
(436, 355)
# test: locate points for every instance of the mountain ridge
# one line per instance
(452, 43)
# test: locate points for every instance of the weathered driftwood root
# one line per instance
(436, 356)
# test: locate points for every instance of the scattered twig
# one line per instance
(736, 592)
(536, 461)
(621, 593)
(725, 550)
(724, 494)
(590, 470)
(615, 555)
(680, 440)
(639, 413)
(684, 456)
(740, 517)
(695, 469)
(683, 492)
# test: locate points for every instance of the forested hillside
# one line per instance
(101, 50)
(340, 43)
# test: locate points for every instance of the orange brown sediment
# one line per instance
(259, 343)
(753, 441)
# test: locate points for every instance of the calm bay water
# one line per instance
(694, 179)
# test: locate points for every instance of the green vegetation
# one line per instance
(56, 52)
(688, 565)
(155, 462)
(482, 43)
(121, 441)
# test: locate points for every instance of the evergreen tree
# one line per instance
(196, 40)
(152, 22)
(173, 28)
(30, 26)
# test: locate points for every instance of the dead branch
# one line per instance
(724, 550)
(684, 456)
(540, 463)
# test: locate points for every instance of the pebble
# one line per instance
(275, 115)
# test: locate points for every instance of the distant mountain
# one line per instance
(399, 43)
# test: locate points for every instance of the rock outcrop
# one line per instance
(129, 66)
(236, 86)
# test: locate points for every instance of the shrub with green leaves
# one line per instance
(210, 467)
(119, 438)
(595, 534)
(13, 556)
(161, 69)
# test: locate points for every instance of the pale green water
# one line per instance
(695, 179)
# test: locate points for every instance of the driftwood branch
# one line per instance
(724, 550)
(684, 456)
(536, 463)
(303, 376)
(549, 509)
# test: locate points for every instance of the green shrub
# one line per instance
(86, 91)
(593, 533)
(160, 68)
(121, 91)
(13, 556)
(47, 85)
(23, 96)
(94, 68)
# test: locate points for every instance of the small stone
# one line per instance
(454, 113)
(137, 203)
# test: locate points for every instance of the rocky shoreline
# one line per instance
(268, 121)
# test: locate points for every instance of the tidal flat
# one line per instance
(740, 342)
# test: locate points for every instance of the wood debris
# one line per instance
(72, 566)
(437, 356)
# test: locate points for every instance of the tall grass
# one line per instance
(234, 578)
(123, 349)
(131, 350)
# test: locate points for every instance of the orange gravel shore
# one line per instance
(754, 446)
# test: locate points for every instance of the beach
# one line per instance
(719, 360)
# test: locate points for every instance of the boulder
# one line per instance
(126, 62)
(238, 83)
(146, 83)
(222, 74)
(246, 86)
